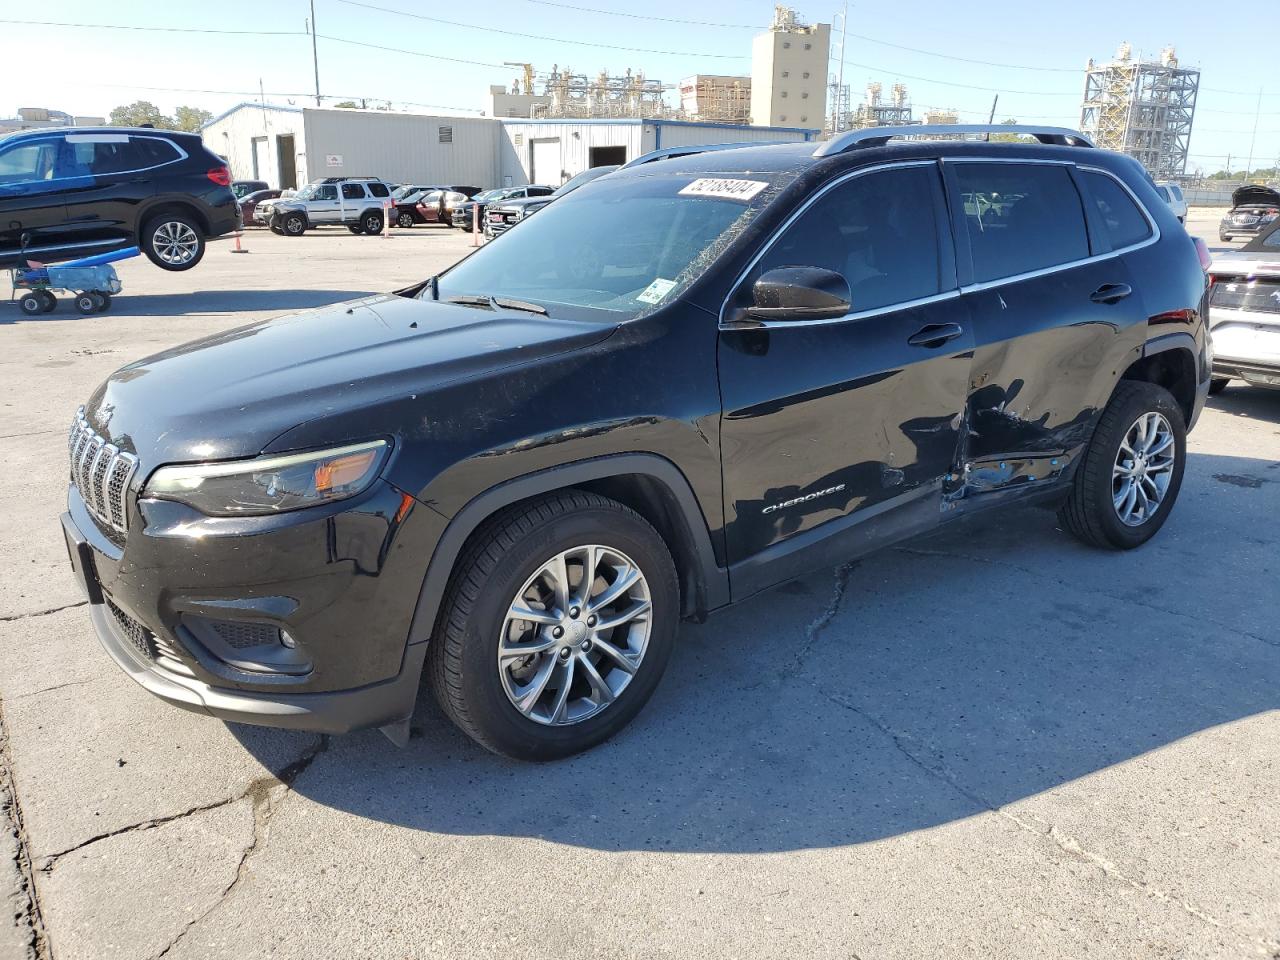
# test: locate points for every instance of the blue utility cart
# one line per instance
(92, 281)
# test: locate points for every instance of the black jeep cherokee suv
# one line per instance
(675, 388)
(78, 191)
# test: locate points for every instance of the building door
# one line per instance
(261, 158)
(607, 156)
(288, 163)
(544, 165)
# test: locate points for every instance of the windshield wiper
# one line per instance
(477, 300)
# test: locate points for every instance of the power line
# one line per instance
(534, 36)
(120, 26)
(286, 93)
(643, 16)
(412, 53)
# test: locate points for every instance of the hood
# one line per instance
(520, 203)
(1252, 193)
(231, 394)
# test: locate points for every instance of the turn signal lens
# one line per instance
(342, 472)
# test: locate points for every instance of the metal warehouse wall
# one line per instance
(575, 138)
(233, 136)
(667, 133)
(400, 147)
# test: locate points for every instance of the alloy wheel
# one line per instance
(575, 635)
(175, 242)
(1143, 469)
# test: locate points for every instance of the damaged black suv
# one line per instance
(680, 385)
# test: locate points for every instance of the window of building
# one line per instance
(804, 94)
(805, 75)
(786, 73)
(783, 94)
(446, 134)
(1125, 224)
(1020, 217)
(808, 46)
(786, 44)
(877, 231)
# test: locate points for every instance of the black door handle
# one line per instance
(1111, 293)
(935, 335)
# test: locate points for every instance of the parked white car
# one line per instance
(1244, 313)
(1172, 195)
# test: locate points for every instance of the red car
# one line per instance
(250, 200)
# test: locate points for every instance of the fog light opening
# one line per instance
(287, 640)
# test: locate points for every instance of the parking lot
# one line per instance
(991, 743)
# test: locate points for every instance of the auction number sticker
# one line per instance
(655, 291)
(723, 188)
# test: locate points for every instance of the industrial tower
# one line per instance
(1142, 108)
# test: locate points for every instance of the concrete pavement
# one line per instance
(991, 743)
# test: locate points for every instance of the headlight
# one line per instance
(272, 484)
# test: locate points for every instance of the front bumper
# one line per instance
(140, 597)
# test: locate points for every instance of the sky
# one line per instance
(961, 54)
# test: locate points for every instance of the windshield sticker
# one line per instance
(723, 188)
(655, 291)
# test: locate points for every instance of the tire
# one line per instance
(86, 303)
(495, 571)
(173, 241)
(1090, 512)
(294, 225)
(105, 299)
(275, 228)
(371, 222)
(32, 304)
(1217, 385)
(1223, 239)
(405, 220)
(355, 228)
(50, 301)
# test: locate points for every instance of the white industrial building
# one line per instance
(789, 72)
(290, 146)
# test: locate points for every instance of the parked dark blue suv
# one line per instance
(67, 193)
(678, 386)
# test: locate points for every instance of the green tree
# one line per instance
(190, 119)
(138, 113)
(347, 105)
(1006, 137)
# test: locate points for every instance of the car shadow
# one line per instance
(193, 303)
(1244, 400)
(927, 683)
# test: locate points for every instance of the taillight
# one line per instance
(220, 175)
(1202, 251)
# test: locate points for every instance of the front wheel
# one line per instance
(559, 621)
(294, 225)
(1130, 474)
(32, 304)
(173, 241)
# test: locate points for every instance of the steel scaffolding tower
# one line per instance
(1143, 108)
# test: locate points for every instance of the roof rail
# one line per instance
(879, 136)
(667, 153)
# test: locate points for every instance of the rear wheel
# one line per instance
(86, 303)
(104, 301)
(405, 219)
(50, 301)
(1217, 385)
(371, 223)
(32, 303)
(173, 241)
(559, 621)
(1131, 472)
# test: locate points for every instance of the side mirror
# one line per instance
(799, 293)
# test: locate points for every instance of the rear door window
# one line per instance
(352, 191)
(1123, 222)
(1019, 217)
(379, 190)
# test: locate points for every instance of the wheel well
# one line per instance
(657, 504)
(1175, 370)
(174, 207)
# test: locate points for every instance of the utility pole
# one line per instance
(1253, 139)
(844, 34)
(992, 118)
(315, 56)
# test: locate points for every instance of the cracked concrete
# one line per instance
(990, 744)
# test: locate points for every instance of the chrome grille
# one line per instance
(101, 472)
